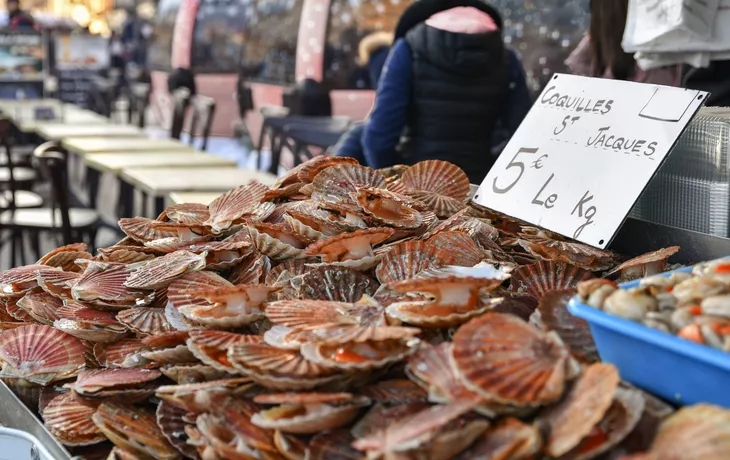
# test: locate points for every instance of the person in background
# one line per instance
(446, 86)
(18, 19)
(600, 54)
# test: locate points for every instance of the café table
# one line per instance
(51, 131)
(96, 145)
(193, 197)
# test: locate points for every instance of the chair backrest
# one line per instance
(181, 100)
(308, 98)
(50, 159)
(6, 129)
(203, 111)
(103, 95)
(139, 101)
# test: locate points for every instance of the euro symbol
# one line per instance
(537, 164)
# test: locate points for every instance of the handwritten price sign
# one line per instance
(585, 153)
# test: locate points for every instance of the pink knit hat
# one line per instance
(464, 20)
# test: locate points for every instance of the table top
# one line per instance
(115, 162)
(85, 145)
(152, 181)
(193, 197)
(57, 131)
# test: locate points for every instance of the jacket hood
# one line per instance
(420, 10)
(371, 43)
(463, 19)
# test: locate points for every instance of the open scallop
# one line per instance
(229, 307)
(353, 250)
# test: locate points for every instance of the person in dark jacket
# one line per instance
(446, 86)
(18, 19)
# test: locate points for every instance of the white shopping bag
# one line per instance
(658, 25)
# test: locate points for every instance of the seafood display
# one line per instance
(692, 305)
(344, 313)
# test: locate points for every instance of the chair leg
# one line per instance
(259, 146)
(20, 248)
(35, 240)
(93, 177)
(92, 239)
(159, 205)
(125, 206)
(13, 248)
(277, 144)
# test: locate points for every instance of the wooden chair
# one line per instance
(201, 117)
(15, 181)
(59, 219)
(303, 139)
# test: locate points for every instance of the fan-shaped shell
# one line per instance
(334, 184)
(193, 373)
(502, 358)
(65, 257)
(230, 306)
(290, 446)
(349, 246)
(170, 419)
(397, 391)
(211, 347)
(41, 306)
(324, 414)
(234, 205)
(302, 230)
(335, 444)
(295, 267)
(359, 356)
(588, 401)
(162, 271)
(133, 429)
(388, 207)
(510, 439)
(251, 270)
(265, 359)
(68, 418)
(578, 254)
(17, 281)
(694, 432)
(125, 256)
(141, 230)
(273, 247)
(322, 221)
(443, 206)
(644, 265)
(126, 385)
(522, 306)
(574, 331)
(317, 315)
(57, 283)
(310, 169)
(541, 277)
(40, 354)
(187, 213)
(337, 284)
(462, 249)
(171, 356)
(436, 176)
(145, 320)
(125, 353)
(406, 260)
(103, 284)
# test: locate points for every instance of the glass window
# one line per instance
(160, 48)
(270, 45)
(218, 35)
(350, 22)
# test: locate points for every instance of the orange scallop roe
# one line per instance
(345, 356)
(594, 439)
(723, 269)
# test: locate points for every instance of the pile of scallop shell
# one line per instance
(692, 305)
(344, 313)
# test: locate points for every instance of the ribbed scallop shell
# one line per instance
(336, 183)
(187, 213)
(296, 267)
(388, 207)
(57, 283)
(436, 176)
(335, 444)
(319, 315)
(326, 417)
(303, 230)
(587, 402)
(427, 314)
(508, 439)
(251, 270)
(310, 169)
(282, 233)
(163, 270)
(230, 306)
(68, 418)
(352, 357)
(65, 257)
(699, 431)
(125, 256)
(578, 254)
(17, 281)
(235, 204)
(337, 284)
(289, 446)
(125, 353)
(103, 284)
(274, 248)
(398, 391)
(265, 359)
(171, 356)
(17, 313)
(134, 429)
(431, 368)
(95, 330)
(522, 306)
(141, 230)
(283, 192)
(41, 306)
(170, 419)
(573, 331)
(644, 265)
(502, 358)
(406, 260)
(336, 247)
(538, 278)
(128, 385)
(40, 354)
(192, 373)
(463, 250)
(322, 221)
(211, 347)
(443, 206)
(145, 320)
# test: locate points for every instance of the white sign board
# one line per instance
(585, 152)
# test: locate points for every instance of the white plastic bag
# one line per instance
(663, 25)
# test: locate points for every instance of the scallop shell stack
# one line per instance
(345, 313)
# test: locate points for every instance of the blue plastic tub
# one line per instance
(675, 369)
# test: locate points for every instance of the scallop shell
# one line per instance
(234, 205)
(40, 354)
(388, 207)
(192, 373)
(92, 331)
(274, 248)
(436, 176)
(406, 260)
(17, 281)
(316, 315)
(578, 254)
(251, 270)
(141, 230)
(648, 264)
(177, 291)
(334, 184)
(398, 391)
(337, 284)
(699, 431)
(171, 356)
(291, 447)
(541, 277)
(103, 284)
(509, 439)
(502, 358)
(462, 249)
(282, 233)
(443, 206)
(65, 257)
(295, 267)
(68, 418)
(167, 339)
(349, 246)
(133, 429)
(17, 313)
(283, 192)
(57, 283)
(41, 306)
(574, 417)
(325, 415)
(163, 270)
(359, 356)
(211, 347)
(198, 397)
(324, 222)
(330, 445)
(125, 256)
(125, 353)
(170, 419)
(265, 359)
(302, 230)
(309, 170)
(187, 213)
(521, 306)
(574, 331)
(125, 385)
(145, 321)
(229, 307)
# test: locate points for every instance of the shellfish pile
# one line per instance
(344, 313)
(693, 305)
